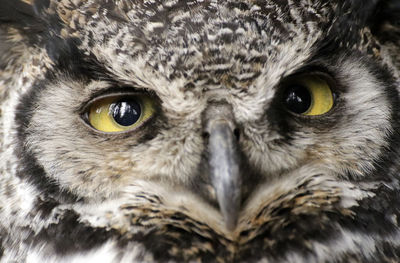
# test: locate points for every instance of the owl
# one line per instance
(199, 131)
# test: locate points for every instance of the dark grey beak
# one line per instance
(224, 166)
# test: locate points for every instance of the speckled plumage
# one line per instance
(313, 189)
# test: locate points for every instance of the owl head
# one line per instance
(199, 130)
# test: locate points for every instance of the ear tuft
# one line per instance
(390, 11)
(16, 12)
(20, 15)
(40, 5)
(19, 29)
(386, 22)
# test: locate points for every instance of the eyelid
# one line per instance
(113, 93)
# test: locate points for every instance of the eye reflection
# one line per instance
(298, 99)
(126, 112)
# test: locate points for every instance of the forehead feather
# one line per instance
(212, 41)
(161, 26)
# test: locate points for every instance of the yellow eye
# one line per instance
(120, 113)
(308, 95)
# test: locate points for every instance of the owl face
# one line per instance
(248, 118)
(177, 73)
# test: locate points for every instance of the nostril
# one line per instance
(206, 135)
(236, 132)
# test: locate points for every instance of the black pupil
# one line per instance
(126, 112)
(297, 99)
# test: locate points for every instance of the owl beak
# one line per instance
(224, 169)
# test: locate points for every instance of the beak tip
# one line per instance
(231, 222)
(230, 212)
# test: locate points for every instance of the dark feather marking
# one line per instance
(280, 234)
(385, 252)
(70, 236)
(181, 232)
(1, 245)
(69, 60)
(373, 214)
(29, 168)
(45, 205)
